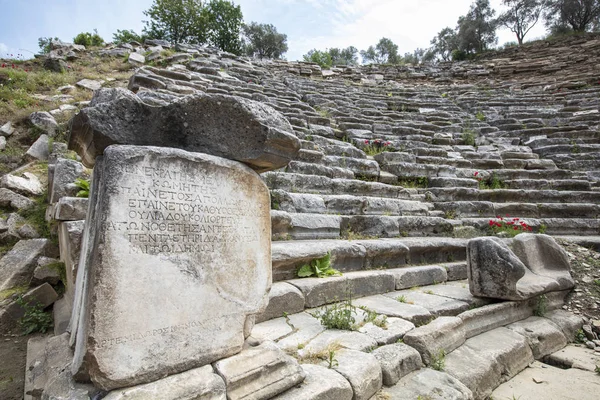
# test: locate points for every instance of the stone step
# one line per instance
(315, 184)
(551, 226)
(360, 255)
(299, 167)
(345, 204)
(461, 209)
(512, 195)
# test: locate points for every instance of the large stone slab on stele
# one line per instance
(181, 256)
(225, 126)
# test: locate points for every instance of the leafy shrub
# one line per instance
(126, 36)
(35, 318)
(320, 267)
(338, 316)
(468, 139)
(84, 187)
(438, 360)
(88, 39)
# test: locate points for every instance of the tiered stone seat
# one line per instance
(396, 223)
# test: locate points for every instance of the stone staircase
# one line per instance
(396, 223)
(399, 167)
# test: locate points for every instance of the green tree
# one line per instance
(444, 43)
(323, 58)
(477, 29)
(224, 22)
(45, 44)
(579, 15)
(178, 21)
(385, 52)
(347, 56)
(126, 36)
(521, 16)
(263, 40)
(88, 39)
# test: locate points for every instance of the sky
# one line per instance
(308, 24)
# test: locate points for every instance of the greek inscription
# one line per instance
(176, 212)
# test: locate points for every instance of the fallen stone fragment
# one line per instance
(8, 198)
(136, 59)
(260, 372)
(90, 84)
(44, 121)
(28, 184)
(226, 126)
(39, 149)
(7, 129)
(17, 266)
(43, 296)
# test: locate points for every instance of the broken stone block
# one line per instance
(136, 59)
(17, 266)
(70, 209)
(397, 360)
(226, 126)
(260, 372)
(8, 198)
(43, 295)
(543, 336)
(28, 184)
(46, 358)
(543, 256)
(199, 222)
(62, 182)
(90, 84)
(495, 271)
(69, 242)
(320, 383)
(46, 272)
(362, 370)
(39, 149)
(199, 383)
(7, 129)
(45, 121)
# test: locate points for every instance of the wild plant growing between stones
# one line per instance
(510, 227)
(320, 267)
(377, 146)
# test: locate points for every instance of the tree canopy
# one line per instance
(263, 40)
(178, 21)
(476, 31)
(579, 15)
(224, 24)
(521, 16)
(384, 52)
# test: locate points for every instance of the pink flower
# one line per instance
(366, 142)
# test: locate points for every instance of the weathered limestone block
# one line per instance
(321, 383)
(568, 322)
(180, 257)
(427, 383)
(69, 242)
(46, 358)
(62, 180)
(70, 209)
(28, 184)
(543, 336)
(543, 256)
(260, 372)
(196, 384)
(43, 295)
(226, 126)
(362, 370)
(17, 266)
(283, 299)
(443, 334)
(8, 198)
(397, 360)
(495, 271)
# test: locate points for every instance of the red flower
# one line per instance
(491, 222)
(366, 142)
(516, 228)
(476, 173)
(3, 65)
